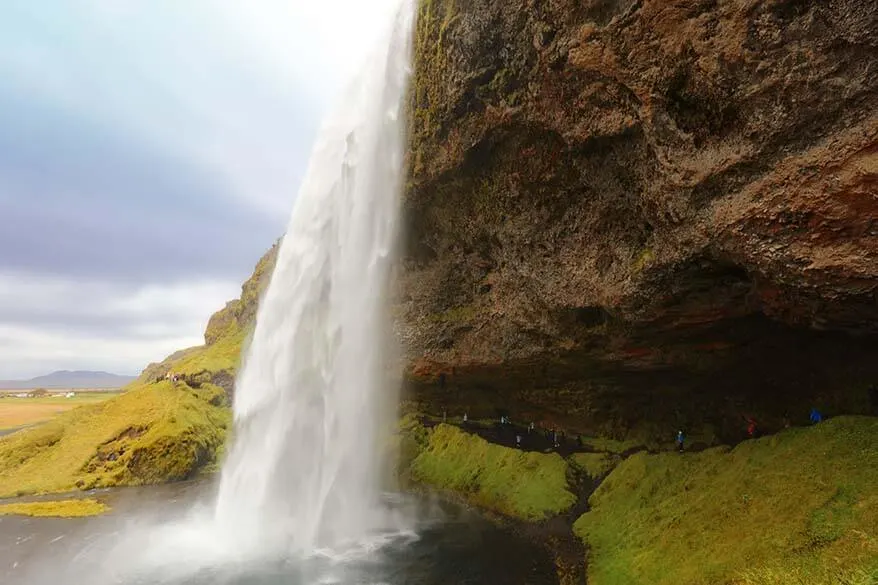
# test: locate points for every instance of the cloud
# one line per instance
(150, 152)
(99, 325)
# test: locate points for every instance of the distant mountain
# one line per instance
(68, 379)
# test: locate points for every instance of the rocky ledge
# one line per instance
(638, 212)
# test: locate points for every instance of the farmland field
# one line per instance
(17, 412)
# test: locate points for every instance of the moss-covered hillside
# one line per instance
(799, 507)
(217, 361)
(157, 430)
(153, 433)
(529, 486)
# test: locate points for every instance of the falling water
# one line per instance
(301, 483)
(303, 471)
(299, 498)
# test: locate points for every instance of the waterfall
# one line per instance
(303, 469)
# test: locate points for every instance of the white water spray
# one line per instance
(303, 475)
(303, 472)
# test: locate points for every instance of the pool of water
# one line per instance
(149, 539)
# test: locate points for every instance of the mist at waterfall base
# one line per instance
(299, 499)
(304, 470)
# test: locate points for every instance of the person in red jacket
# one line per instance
(751, 427)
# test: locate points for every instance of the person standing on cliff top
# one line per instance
(816, 416)
(680, 440)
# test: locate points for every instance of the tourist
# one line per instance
(751, 427)
(530, 428)
(518, 440)
(464, 418)
(681, 438)
(816, 416)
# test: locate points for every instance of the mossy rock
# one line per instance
(151, 434)
(798, 507)
(525, 485)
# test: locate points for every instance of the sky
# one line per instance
(150, 153)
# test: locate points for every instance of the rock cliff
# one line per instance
(627, 212)
(217, 361)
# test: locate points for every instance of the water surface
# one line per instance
(141, 543)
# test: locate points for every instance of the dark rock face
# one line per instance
(623, 209)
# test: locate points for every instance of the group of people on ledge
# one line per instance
(815, 416)
(170, 376)
(528, 437)
(552, 438)
(557, 439)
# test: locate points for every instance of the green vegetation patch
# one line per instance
(225, 337)
(594, 465)
(224, 354)
(57, 509)
(151, 434)
(798, 507)
(427, 94)
(608, 445)
(531, 486)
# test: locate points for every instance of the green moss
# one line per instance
(225, 337)
(224, 355)
(646, 257)
(608, 445)
(802, 571)
(594, 465)
(151, 434)
(799, 507)
(530, 486)
(434, 19)
(455, 315)
(57, 509)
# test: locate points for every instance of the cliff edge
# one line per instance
(634, 211)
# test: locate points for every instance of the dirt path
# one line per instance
(538, 440)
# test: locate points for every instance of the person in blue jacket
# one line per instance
(680, 439)
(816, 416)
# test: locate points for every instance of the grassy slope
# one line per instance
(799, 507)
(225, 335)
(150, 434)
(594, 465)
(224, 354)
(57, 509)
(154, 432)
(531, 486)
